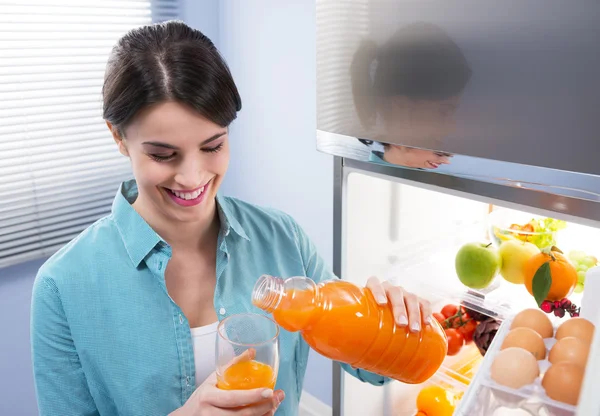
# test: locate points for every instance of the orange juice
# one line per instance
(247, 375)
(344, 323)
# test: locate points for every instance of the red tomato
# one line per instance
(464, 313)
(440, 318)
(449, 310)
(467, 330)
(455, 341)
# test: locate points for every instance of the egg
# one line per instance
(576, 327)
(569, 349)
(534, 319)
(514, 367)
(562, 382)
(527, 339)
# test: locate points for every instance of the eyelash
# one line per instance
(159, 158)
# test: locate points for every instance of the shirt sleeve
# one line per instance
(317, 269)
(60, 384)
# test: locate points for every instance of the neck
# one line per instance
(201, 234)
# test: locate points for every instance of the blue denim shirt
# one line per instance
(108, 339)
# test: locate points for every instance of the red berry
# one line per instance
(565, 303)
(559, 312)
(574, 314)
(556, 304)
(546, 306)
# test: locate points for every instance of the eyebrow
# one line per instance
(170, 146)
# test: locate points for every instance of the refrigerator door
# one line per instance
(509, 81)
(409, 233)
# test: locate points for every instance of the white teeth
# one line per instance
(189, 195)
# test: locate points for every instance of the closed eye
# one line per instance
(213, 149)
(162, 158)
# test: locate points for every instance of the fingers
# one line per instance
(395, 295)
(261, 408)
(426, 311)
(208, 399)
(408, 309)
(378, 290)
(414, 311)
(247, 355)
(238, 398)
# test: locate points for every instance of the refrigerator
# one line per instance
(458, 123)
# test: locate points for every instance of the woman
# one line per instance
(410, 157)
(116, 312)
(406, 92)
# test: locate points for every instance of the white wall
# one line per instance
(202, 15)
(270, 48)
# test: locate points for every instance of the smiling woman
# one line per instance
(124, 316)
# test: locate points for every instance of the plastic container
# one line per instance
(343, 322)
(486, 397)
(503, 225)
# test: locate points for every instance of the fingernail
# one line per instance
(267, 394)
(402, 320)
(415, 327)
(280, 397)
(381, 299)
(427, 320)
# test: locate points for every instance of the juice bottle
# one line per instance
(344, 323)
(247, 375)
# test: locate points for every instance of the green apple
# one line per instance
(477, 264)
(514, 255)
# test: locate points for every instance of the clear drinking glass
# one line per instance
(247, 353)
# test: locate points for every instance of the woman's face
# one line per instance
(418, 123)
(179, 159)
(415, 158)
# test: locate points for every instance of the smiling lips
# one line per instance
(188, 198)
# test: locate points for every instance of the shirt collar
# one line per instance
(139, 238)
(228, 219)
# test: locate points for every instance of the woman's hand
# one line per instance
(208, 400)
(407, 307)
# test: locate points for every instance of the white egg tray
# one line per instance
(485, 397)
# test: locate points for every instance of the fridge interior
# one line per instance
(411, 235)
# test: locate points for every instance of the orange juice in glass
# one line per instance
(247, 352)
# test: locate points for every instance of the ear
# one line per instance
(119, 140)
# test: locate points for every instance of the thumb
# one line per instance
(238, 398)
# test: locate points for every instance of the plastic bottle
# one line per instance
(344, 323)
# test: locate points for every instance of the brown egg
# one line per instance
(527, 339)
(569, 349)
(576, 327)
(562, 382)
(534, 319)
(514, 367)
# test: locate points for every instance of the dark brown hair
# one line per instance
(420, 61)
(168, 62)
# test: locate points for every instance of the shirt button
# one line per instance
(180, 319)
(222, 311)
(227, 232)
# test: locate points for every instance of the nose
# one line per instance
(189, 173)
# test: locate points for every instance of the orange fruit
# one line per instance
(562, 273)
(436, 401)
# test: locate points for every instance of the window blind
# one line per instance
(59, 167)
